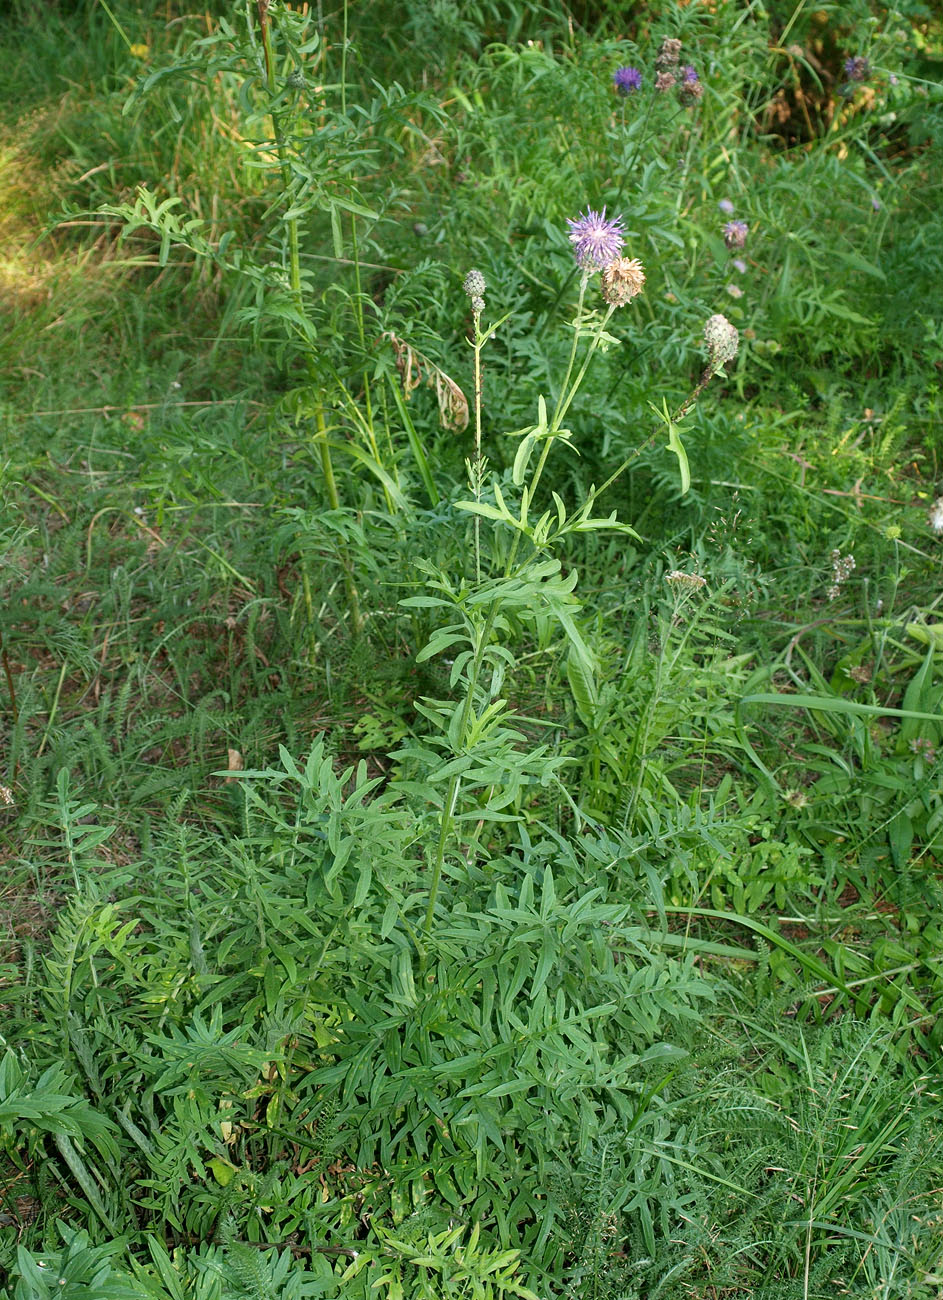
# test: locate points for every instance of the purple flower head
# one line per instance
(740, 265)
(735, 234)
(857, 68)
(627, 80)
(689, 75)
(725, 206)
(596, 241)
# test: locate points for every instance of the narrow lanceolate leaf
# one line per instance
(836, 704)
(85, 1180)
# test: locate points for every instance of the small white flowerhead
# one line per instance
(843, 566)
(798, 798)
(935, 517)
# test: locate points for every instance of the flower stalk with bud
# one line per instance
(474, 286)
(723, 342)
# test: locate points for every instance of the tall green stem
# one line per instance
(584, 281)
(330, 483)
(281, 149)
(567, 393)
(294, 262)
(451, 794)
(476, 468)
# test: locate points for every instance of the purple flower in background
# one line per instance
(725, 206)
(740, 265)
(735, 234)
(690, 89)
(627, 80)
(596, 241)
(857, 69)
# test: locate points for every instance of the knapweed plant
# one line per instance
(518, 581)
(470, 808)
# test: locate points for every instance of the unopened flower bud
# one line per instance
(474, 285)
(722, 339)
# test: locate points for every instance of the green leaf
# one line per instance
(415, 444)
(583, 687)
(221, 1170)
(336, 233)
(85, 1180)
(675, 445)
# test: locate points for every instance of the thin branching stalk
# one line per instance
(676, 418)
(294, 255)
(557, 414)
(476, 467)
(330, 483)
(567, 393)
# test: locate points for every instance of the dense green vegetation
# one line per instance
(470, 796)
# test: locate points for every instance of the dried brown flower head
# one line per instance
(622, 280)
(669, 53)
